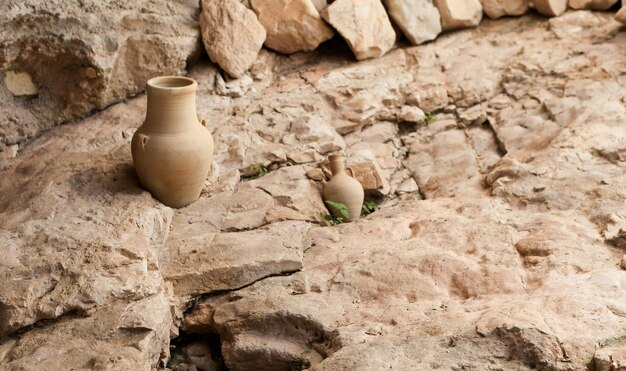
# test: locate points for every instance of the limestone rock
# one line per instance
(621, 15)
(411, 114)
(364, 25)
(291, 189)
(86, 55)
(197, 262)
(592, 4)
(320, 4)
(291, 25)
(92, 270)
(126, 335)
(502, 8)
(368, 99)
(315, 133)
(427, 156)
(551, 8)
(367, 171)
(419, 20)
(232, 35)
(507, 259)
(457, 14)
(531, 346)
(20, 83)
(610, 358)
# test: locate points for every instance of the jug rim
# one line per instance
(172, 84)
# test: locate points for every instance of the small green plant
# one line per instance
(341, 208)
(429, 117)
(259, 170)
(369, 207)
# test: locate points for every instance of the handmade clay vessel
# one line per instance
(172, 150)
(343, 188)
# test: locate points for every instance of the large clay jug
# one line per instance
(172, 150)
(344, 189)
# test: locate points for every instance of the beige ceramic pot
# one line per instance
(172, 150)
(343, 188)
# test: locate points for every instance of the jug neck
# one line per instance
(337, 164)
(171, 104)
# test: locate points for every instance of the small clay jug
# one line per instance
(343, 188)
(172, 150)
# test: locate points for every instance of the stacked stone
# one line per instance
(233, 36)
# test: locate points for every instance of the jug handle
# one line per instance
(202, 122)
(143, 139)
(351, 172)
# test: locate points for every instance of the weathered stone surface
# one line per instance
(501, 8)
(315, 134)
(364, 25)
(86, 55)
(232, 35)
(408, 291)
(569, 25)
(444, 163)
(610, 358)
(369, 100)
(419, 20)
(20, 83)
(79, 242)
(197, 262)
(497, 245)
(457, 14)
(551, 8)
(292, 190)
(592, 4)
(621, 15)
(130, 335)
(291, 25)
(320, 4)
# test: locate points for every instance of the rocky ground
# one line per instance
(496, 244)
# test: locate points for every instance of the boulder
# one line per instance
(610, 358)
(364, 25)
(551, 8)
(232, 35)
(592, 4)
(501, 8)
(419, 20)
(320, 4)
(457, 14)
(621, 15)
(84, 56)
(292, 25)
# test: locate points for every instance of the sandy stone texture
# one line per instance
(419, 20)
(457, 14)
(85, 55)
(364, 25)
(232, 35)
(501, 8)
(496, 243)
(291, 25)
(621, 15)
(592, 4)
(550, 8)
